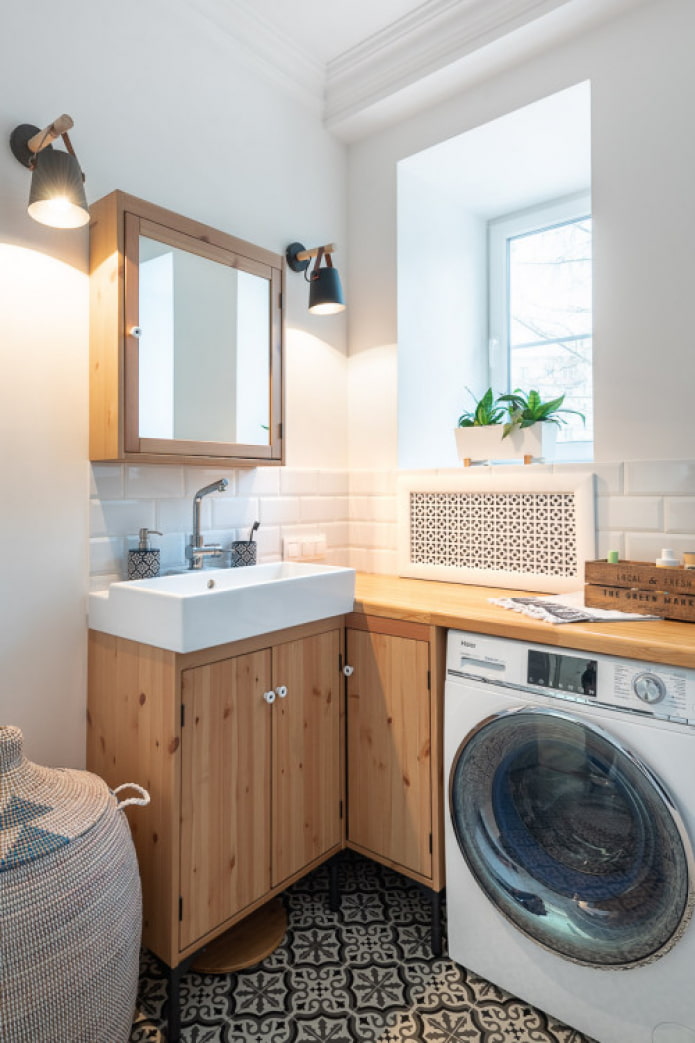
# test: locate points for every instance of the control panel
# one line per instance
(654, 689)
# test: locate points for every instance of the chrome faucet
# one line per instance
(197, 551)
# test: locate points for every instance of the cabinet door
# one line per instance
(306, 741)
(389, 749)
(225, 791)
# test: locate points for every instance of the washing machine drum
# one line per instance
(571, 837)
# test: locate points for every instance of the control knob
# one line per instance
(649, 688)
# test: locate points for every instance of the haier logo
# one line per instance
(469, 644)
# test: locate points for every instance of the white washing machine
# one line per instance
(569, 833)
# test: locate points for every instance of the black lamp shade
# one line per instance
(57, 191)
(325, 292)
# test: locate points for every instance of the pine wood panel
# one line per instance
(466, 607)
(105, 330)
(225, 791)
(133, 736)
(307, 788)
(389, 748)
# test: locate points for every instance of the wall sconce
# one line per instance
(325, 291)
(57, 194)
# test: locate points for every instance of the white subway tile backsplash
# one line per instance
(120, 517)
(641, 507)
(108, 555)
(337, 533)
(324, 508)
(647, 546)
(373, 535)
(661, 477)
(630, 512)
(258, 481)
(173, 550)
(361, 559)
(606, 541)
(373, 482)
(333, 483)
(298, 482)
(384, 562)
(177, 515)
(609, 477)
(106, 482)
(233, 512)
(269, 540)
(279, 511)
(153, 482)
(373, 508)
(680, 514)
(338, 556)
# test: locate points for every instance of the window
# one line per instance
(541, 311)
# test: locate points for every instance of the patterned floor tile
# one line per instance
(364, 974)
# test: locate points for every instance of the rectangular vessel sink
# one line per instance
(210, 607)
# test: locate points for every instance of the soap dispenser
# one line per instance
(143, 563)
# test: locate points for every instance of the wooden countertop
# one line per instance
(464, 607)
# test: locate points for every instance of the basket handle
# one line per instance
(143, 800)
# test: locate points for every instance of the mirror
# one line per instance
(186, 340)
(203, 339)
(204, 352)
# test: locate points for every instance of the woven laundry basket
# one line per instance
(70, 904)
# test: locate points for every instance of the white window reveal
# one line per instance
(541, 311)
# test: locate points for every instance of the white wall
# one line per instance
(442, 318)
(168, 109)
(643, 169)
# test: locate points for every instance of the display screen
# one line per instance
(562, 672)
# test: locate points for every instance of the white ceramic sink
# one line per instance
(198, 609)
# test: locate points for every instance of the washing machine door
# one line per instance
(572, 837)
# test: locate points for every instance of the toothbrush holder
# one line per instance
(243, 553)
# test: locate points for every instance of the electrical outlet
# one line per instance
(304, 548)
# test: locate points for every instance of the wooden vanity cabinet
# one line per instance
(394, 745)
(246, 794)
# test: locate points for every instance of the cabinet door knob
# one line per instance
(348, 670)
(269, 696)
(281, 691)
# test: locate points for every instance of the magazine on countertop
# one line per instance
(565, 608)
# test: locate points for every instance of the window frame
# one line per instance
(501, 229)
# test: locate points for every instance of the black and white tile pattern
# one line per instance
(365, 974)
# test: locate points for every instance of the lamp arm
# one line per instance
(44, 137)
(306, 255)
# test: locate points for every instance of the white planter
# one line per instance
(479, 444)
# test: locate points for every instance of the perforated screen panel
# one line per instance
(505, 532)
(530, 532)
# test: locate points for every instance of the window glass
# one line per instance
(540, 311)
(550, 318)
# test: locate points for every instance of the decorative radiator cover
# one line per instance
(529, 532)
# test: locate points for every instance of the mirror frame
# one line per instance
(117, 221)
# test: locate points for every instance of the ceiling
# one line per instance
(327, 28)
(364, 64)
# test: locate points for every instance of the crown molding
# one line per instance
(260, 46)
(435, 35)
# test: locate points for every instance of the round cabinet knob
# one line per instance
(348, 670)
(649, 688)
(269, 697)
(281, 691)
(136, 331)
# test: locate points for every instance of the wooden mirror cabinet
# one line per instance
(186, 340)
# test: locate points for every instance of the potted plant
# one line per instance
(479, 431)
(529, 431)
